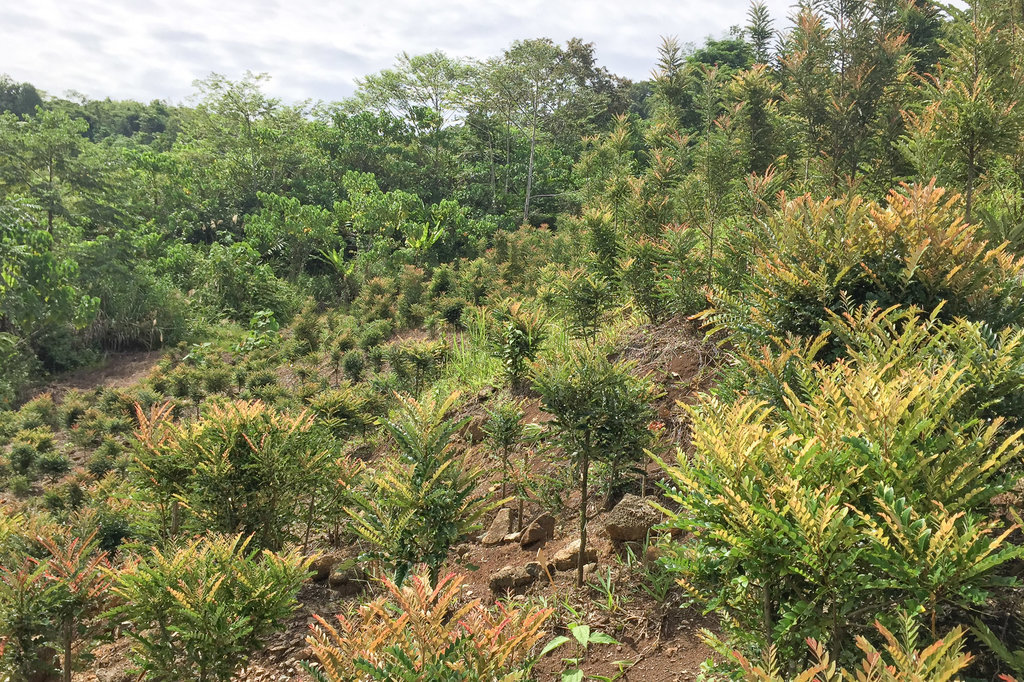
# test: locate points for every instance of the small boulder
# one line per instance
(500, 527)
(473, 431)
(347, 578)
(323, 564)
(537, 570)
(631, 519)
(568, 557)
(540, 529)
(510, 578)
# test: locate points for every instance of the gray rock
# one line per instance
(631, 519)
(568, 557)
(347, 578)
(540, 529)
(510, 578)
(537, 570)
(500, 527)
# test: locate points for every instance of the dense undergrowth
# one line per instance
(358, 305)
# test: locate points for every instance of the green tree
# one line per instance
(601, 412)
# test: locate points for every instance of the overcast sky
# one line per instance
(314, 49)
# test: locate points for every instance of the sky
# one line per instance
(315, 49)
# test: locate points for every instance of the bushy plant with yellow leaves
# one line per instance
(899, 660)
(418, 504)
(416, 633)
(990, 363)
(819, 256)
(816, 517)
(243, 467)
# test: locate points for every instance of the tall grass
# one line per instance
(470, 366)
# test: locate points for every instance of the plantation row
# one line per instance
(775, 305)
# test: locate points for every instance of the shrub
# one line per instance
(375, 301)
(835, 254)
(72, 408)
(199, 613)
(242, 467)
(898, 661)
(504, 429)
(23, 458)
(343, 410)
(897, 339)
(416, 363)
(600, 412)
(49, 603)
(375, 333)
(818, 517)
(582, 299)
(354, 362)
(39, 412)
(419, 633)
(515, 336)
(54, 465)
(20, 486)
(420, 503)
(41, 438)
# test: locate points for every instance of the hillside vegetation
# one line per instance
(517, 370)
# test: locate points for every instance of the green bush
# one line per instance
(515, 336)
(354, 362)
(375, 333)
(601, 413)
(418, 504)
(818, 517)
(199, 613)
(39, 412)
(20, 486)
(23, 458)
(72, 408)
(830, 256)
(54, 465)
(243, 466)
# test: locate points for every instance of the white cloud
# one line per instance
(149, 49)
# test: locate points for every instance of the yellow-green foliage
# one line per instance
(895, 340)
(817, 517)
(198, 613)
(244, 466)
(898, 661)
(421, 501)
(416, 632)
(834, 254)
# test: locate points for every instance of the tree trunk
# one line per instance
(581, 560)
(529, 170)
(529, 179)
(69, 638)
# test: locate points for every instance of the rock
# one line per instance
(473, 431)
(536, 569)
(540, 529)
(631, 519)
(589, 569)
(324, 563)
(347, 578)
(512, 537)
(500, 527)
(509, 578)
(568, 557)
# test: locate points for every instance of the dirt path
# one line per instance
(116, 370)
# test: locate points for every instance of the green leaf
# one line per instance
(552, 645)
